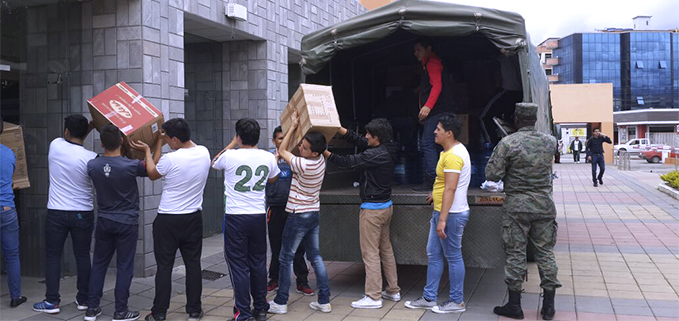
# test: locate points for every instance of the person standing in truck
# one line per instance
(595, 154)
(434, 99)
(377, 164)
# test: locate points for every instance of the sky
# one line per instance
(546, 19)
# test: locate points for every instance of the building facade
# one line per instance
(186, 56)
(545, 51)
(642, 65)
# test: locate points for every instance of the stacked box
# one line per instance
(316, 110)
(13, 137)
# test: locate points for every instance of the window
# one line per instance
(548, 55)
(548, 72)
(662, 64)
(640, 64)
(640, 100)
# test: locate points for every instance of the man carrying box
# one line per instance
(246, 172)
(179, 224)
(115, 179)
(69, 210)
(377, 175)
(10, 225)
(303, 210)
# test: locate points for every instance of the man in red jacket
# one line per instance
(434, 100)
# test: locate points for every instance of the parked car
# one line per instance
(655, 155)
(636, 145)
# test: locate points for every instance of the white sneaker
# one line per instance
(277, 308)
(391, 297)
(325, 308)
(367, 303)
(449, 307)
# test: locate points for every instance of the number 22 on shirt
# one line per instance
(246, 172)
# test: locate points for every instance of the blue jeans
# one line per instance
(301, 227)
(598, 159)
(10, 250)
(58, 224)
(430, 149)
(451, 249)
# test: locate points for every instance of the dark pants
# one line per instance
(598, 159)
(113, 237)
(9, 235)
(430, 149)
(183, 232)
(58, 224)
(576, 156)
(245, 252)
(277, 218)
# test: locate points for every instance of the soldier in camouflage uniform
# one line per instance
(523, 160)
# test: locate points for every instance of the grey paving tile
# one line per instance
(593, 304)
(564, 303)
(630, 302)
(41, 317)
(581, 248)
(632, 310)
(631, 249)
(482, 315)
(663, 304)
(606, 249)
(666, 312)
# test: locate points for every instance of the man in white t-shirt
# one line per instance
(69, 210)
(246, 172)
(303, 210)
(451, 213)
(179, 224)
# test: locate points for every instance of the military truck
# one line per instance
(369, 62)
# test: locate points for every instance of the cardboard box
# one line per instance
(136, 117)
(316, 110)
(464, 135)
(13, 137)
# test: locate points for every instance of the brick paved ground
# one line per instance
(618, 255)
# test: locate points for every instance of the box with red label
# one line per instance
(316, 110)
(136, 117)
(13, 137)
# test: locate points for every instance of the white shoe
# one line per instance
(449, 307)
(277, 308)
(325, 308)
(367, 303)
(391, 297)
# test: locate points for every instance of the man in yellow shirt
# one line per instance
(451, 213)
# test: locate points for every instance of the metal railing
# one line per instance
(622, 159)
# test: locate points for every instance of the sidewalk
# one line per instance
(618, 256)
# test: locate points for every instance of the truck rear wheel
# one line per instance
(655, 159)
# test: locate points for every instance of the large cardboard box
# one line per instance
(316, 110)
(13, 137)
(136, 117)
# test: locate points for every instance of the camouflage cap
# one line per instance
(526, 110)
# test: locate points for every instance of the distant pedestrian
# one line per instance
(376, 162)
(276, 199)
(559, 148)
(308, 171)
(595, 154)
(179, 223)
(10, 225)
(450, 216)
(247, 170)
(576, 148)
(115, 179)
(69, 211)
(523, 162)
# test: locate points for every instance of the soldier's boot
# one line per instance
(513, 307)
(548, 304)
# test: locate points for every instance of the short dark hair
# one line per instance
(276, 131)
(317, 142)
(178, 127)
(425, 42)
(77, 126)
(595, 129)
(450, 122)
(110, 137)
(248, 131)
(381, 128)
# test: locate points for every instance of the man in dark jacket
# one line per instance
(377, 165)
(276, 198)
(576, 147)
(595, 154)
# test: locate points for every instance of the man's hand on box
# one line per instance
(342, 131)
(295, 118)
(141, 146)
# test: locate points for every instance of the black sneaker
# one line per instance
(92, 314)
(15, 302)
(151, 317)
(126, 316)
(259, 315)
(595, 184)
(601, 181)
(195, 316)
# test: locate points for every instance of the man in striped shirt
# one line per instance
(303, 209)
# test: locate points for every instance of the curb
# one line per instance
(668, 190)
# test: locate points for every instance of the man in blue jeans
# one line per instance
(10, 225)
(69, 210)
(595, 154)
(303, 209)
(451, 213)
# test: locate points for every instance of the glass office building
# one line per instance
(643, 66)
